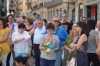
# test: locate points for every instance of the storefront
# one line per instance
(91, 10)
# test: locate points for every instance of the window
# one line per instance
(53, 13)
(73, 14)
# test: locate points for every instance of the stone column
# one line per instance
(76, 12)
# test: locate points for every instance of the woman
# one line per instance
(30, 29)
(69, 40)
(4, 43)
(79, 42)
(93, 41)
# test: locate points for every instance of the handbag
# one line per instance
(72, 62)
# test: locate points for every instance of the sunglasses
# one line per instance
(56, 21)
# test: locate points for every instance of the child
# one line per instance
(20, 61)
(48, 46)
(20, 39)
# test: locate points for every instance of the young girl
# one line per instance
(48, 47)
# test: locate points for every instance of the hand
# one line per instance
(71, 50)
(82, 48)
(26, 39)
(22, 38)
(62, 48)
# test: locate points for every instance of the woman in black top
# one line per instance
(30, 29)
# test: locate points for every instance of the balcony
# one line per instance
(53, 3)
(28, 2)
(41, 4)
(36, 6)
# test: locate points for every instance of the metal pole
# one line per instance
(7, 7)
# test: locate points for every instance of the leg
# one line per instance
(58, 58)
(89, 58)
(64, 61)
(95, 60)
(37, 54)
(4, 60)
(51, 63)
(43, 62)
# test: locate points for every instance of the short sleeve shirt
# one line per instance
(49, 39)
(5, 44)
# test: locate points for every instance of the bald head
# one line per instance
(19, 20)
(55, 18)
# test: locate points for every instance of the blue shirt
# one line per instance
(62, 34)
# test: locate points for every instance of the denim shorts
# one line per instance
(21, 54)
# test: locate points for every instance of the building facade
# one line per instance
(21, 7)
(12, 7)
(92, 9)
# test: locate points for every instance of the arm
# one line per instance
(17, 40)
(57, 47)
(82, 39)
(31, 32)
(97, 39)
(98, 50)
(41, 47)
(5, 37)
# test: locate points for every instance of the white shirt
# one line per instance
(21, 46)
(38, 34)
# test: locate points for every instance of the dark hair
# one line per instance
(4, 22)
(84, 28)
(30, 21)
(21, 59)
(23, 17)
(11, 16)
(45, 21)
(91, 24)
(21, 25)
(50, 26)
(38, 16)
(34, 14)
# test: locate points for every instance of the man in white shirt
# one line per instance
(39, 31)
(98, 29)
(20, 39)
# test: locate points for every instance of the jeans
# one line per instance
(92, 57)
(7, 60)
(37, 54)
(45, 62)
(58, 58)
(64, 61)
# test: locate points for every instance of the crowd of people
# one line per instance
(27, 41)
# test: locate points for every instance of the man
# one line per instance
(39, 31)
(83, 19)
(62, 34)
(19, 20)
(37, 16)
(67, 26)
(13, 27)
